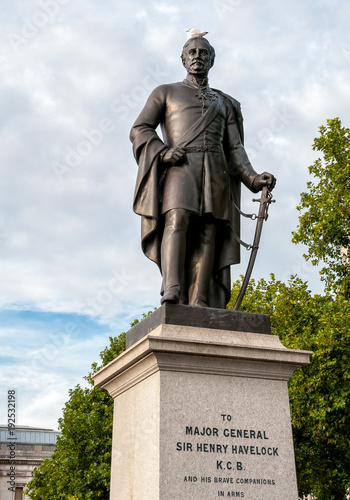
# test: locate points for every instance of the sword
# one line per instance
(265, 200)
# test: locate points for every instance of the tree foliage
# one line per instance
(324, 225)
(79, 468)
(320, 392)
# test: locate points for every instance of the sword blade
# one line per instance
(265, 200)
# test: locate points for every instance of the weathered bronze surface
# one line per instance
(188, 185)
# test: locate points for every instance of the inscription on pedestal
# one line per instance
(230, 471)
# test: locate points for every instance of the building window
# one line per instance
(48, 447)
(19, 493)
(24, 446)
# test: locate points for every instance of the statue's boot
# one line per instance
(173, 253)
(202, 267)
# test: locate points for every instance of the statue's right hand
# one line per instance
(174, 156)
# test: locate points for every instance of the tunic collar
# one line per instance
(192, 82)
(202, 90)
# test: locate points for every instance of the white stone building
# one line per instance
(23, 451)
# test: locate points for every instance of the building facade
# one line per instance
(20, 453)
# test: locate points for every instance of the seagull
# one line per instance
(195, 32)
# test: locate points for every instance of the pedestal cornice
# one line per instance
(200, 350)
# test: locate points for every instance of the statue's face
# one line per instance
(197, 60)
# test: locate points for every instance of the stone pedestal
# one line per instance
(202, 412)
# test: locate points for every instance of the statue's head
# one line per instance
(198, 56)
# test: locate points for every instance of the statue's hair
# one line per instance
(210, 47)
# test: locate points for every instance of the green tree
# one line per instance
(79, 468)
(324, 225)
(320, 392)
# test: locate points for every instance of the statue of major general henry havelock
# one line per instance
(188, 184)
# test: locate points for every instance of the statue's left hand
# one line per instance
(264, 179)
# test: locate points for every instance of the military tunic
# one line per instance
(202, 184)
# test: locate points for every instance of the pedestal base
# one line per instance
(200, 414)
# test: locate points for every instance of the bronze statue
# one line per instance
(188, 185)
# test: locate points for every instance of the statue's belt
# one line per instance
(202, 148)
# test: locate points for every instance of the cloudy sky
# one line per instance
(75, 74)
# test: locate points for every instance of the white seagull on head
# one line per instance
(195, 32)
